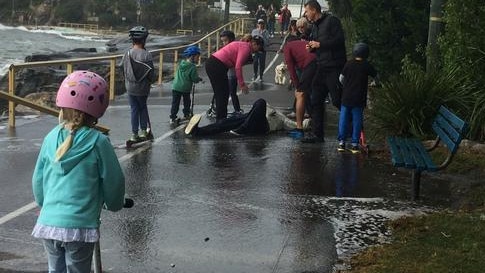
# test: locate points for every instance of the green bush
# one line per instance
(407, 103)
(463, 48)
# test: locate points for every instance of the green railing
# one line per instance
(211, 42)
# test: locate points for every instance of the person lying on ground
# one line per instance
(260, 120)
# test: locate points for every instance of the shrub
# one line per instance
(407, 103)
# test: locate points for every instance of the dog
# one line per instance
(280, 73)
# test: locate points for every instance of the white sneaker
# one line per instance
(194, 121)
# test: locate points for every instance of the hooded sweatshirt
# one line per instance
(186, 76)
(235, 55)
(139, 71)
(72, 191)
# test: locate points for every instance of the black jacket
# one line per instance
(329, 32)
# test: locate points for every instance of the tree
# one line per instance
(393, 29)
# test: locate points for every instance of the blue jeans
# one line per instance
(354, 115)
(271, 27)
(176, 97)
(72, 257)
(139, 112)
(259, 63)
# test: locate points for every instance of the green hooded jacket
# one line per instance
(185, 77)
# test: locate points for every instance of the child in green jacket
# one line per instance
(185, 77)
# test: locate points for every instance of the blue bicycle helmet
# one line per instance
(191, 51)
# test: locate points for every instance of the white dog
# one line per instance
(280, 73)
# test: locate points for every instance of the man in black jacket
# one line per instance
(328, 42)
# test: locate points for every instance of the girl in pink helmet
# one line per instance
(77, 173)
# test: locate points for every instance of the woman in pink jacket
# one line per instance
(233, 55)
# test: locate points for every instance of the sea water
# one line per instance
(19, 42)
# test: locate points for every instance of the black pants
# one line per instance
(324, 82)
(176, 96)
(217, 73)
(252, 123)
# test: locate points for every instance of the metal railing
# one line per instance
(210, 41)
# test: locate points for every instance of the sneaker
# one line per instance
(291, 115)
(311, 138)
(296, 133)
(235, 132)
(355, 149)
(187, 117)
(236, 113)
(341, 147)
(143, 134)
(194, 121)
(260, 79)
(173, 120)
(134, 137)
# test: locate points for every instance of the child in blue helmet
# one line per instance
(354, 79)
(185, 77)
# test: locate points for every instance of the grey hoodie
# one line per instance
(139, 71)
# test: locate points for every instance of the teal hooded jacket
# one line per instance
(72, 191)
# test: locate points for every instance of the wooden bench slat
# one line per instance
(451, 131)
(452, 145)
(426, 162)
(453, 119)
(396, 157)
(406, 151)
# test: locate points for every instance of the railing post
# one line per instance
(69, 68)
(208, 46)
(112, 75)
(217, 42)
(200, 59)
(160, 69)
(175, 61)
(11, 92)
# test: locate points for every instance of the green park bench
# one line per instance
(410, 153)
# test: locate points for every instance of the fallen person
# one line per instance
(260, 120)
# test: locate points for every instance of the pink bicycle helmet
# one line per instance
(84, 91)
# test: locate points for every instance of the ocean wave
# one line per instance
(66, 33)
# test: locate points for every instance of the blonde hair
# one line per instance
(246, 38)
(72, 120)
(302, 22)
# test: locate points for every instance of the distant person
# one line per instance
(139, 74)
(76, 175)
(260, 120)
(260, 14)
(285, 18)
(233, 55)
(293, 33)
(271, 20)
(327, 41)
(185, 77)
(354, 79)
(259, 58)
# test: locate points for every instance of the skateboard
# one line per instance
(142, 140)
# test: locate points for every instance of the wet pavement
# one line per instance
(223, 203)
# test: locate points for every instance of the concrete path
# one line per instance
(219, 204)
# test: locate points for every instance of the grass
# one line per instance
(451, 241)
(438, 243)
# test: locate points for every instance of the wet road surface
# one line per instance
(218, 204)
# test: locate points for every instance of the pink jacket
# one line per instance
(235, 55)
